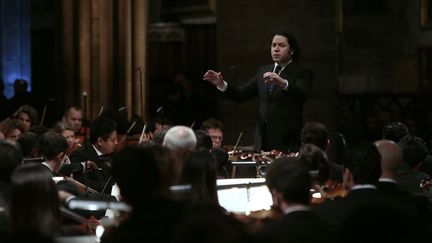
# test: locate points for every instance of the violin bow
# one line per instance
(237, 143)
(100, 111)
(192, 125)
(43, 115)
(142, 134)
(128, 131)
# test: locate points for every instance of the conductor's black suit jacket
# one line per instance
(280, 111)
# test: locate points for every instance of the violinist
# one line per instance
(52, 147)
(26, 117)
(289, 182)
(101, 144)
(68, 133)
(282, 88)
(63, 129)
(214, 128)
(73, 116)
(360, 177)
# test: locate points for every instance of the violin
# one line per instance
(330, 190)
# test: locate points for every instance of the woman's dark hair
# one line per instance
(199, 170)
(34, 201)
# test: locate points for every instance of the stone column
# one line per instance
(85, 53)
(125, 52)
(139, 27)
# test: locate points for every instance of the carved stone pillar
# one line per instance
(140, 26)
(85, 53)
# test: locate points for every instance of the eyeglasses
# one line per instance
(216, 138)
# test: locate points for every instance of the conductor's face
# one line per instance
(280, 49)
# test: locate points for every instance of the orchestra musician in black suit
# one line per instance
(282, 87)
(102, 143)
(289, 182)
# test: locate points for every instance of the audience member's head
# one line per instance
(336, 150)
(215, 129)
(103, 134)
(10, 158)
(317, 162)
(315, 133)
(395, 131)
(136, 172)
(199, 171)
(27, 142)
(363, 165)
(201, 227)
(180, 140)
(391, 157)
(41, 213)
(289, 182)
(414, 150)
(73, 116)
(20, 86)
(165, 163)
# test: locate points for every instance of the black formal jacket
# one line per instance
(299, 226)
(97, 180)
(280, 112)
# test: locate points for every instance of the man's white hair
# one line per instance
(180, 138)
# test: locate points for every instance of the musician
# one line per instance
(73, 116)
(289, 182)
(68, 133)
(27, 117)
(214, 129)
(282, 87)
(52, 147)
(102, 143)
(11, 130)
(360, 178)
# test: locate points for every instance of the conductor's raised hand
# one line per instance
(215, 78)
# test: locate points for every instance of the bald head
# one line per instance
(391, 157)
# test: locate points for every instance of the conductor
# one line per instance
(282, 87)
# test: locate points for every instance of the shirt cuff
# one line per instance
(225, 86)
(285, 86)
